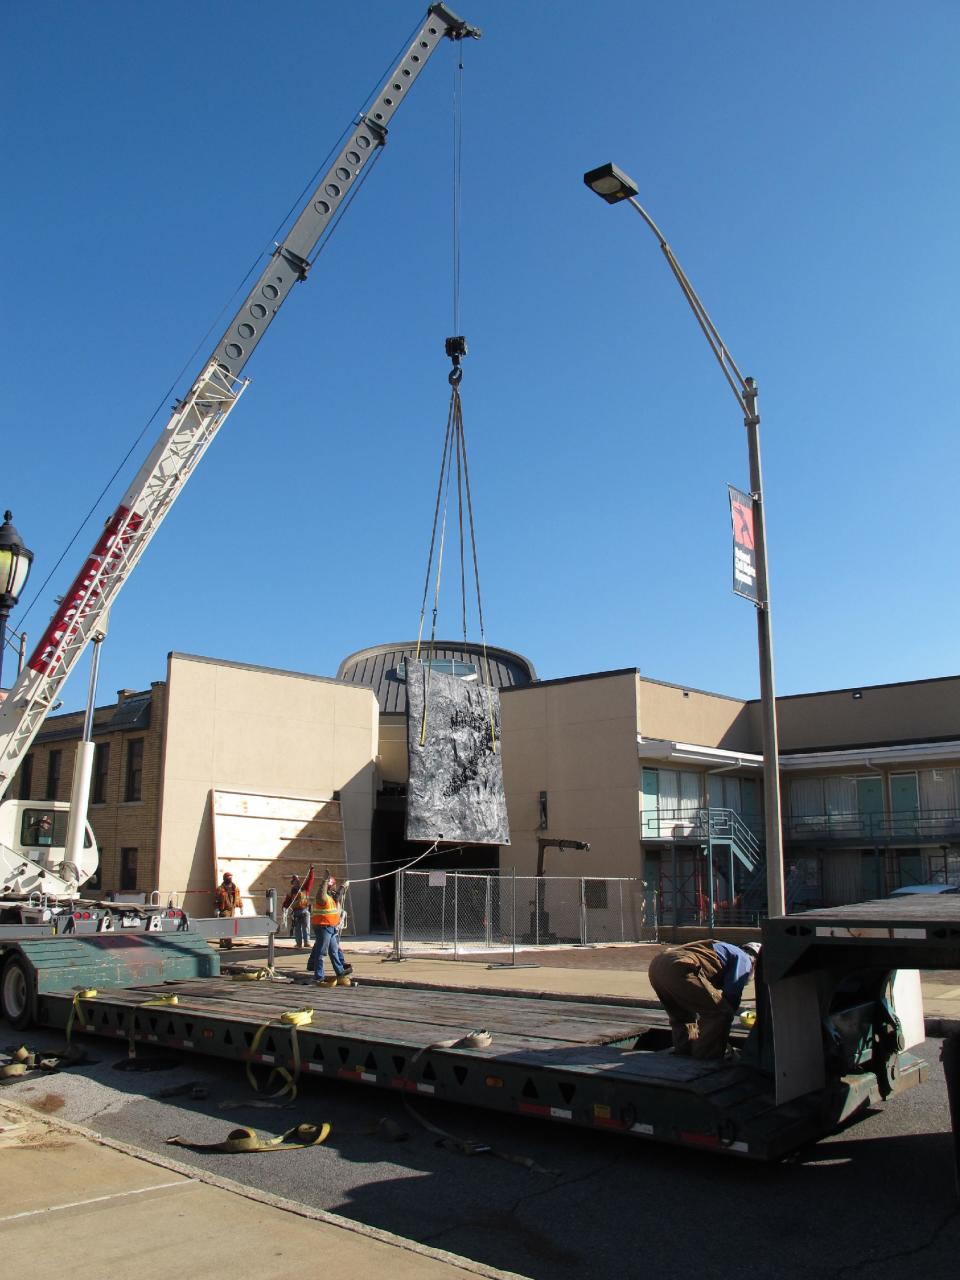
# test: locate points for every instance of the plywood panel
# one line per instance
(263, 840)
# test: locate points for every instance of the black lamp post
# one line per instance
(613, 185)
(15, 562)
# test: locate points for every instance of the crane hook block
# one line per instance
(455, 348)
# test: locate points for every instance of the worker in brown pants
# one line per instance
(700, 986)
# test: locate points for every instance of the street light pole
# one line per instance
(15, 562)
(614, 186)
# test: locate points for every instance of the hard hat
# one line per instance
(752, 947)
(228, 875)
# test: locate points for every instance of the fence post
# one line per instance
(583, 912)
(488, 912)
(272, 913)
(398, 917)
(623, 936)
(513, 885)
(456, 904)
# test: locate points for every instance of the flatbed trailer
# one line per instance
(828, 1041)
(578, 1063)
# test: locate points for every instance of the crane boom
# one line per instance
(198, 417)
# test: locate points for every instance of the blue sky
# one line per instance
(801, 161)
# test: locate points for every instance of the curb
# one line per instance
(265, 1197)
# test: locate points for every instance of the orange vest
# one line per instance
(325, 911)
(228, 897)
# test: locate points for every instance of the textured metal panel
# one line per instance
(455, 791)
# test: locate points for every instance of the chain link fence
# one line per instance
(463, 912)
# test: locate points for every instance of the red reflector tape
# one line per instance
(700, 1139)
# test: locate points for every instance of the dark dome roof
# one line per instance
(381, 668)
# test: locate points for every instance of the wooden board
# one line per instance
(264, 840)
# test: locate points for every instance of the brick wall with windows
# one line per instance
(125, 787)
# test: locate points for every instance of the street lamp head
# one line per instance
(15, 562)
(611, 184)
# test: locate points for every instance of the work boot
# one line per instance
(326, 982)
(343, 980)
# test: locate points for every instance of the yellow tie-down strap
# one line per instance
(83, 993)
(246, 1140)
(293, 1018)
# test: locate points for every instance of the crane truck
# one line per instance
(37, 877)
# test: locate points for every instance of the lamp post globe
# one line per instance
(15, 561)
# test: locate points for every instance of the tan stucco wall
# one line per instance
(393, 761)
(919, 711)
(576, 740)
(689, 715)
(240, 728)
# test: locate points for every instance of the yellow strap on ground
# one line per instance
(250, 975)
(160, 1000)
(246, 1140)
(84, 993)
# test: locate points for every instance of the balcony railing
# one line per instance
(916, 826)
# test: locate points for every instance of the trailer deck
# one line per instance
(566, 1061)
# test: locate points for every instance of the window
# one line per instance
(128, 869)
(101, 766)
(46, 828)
(134, 779)
(445, 667)
(26, 778)
(54, 762)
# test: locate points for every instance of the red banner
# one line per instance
(744, 548)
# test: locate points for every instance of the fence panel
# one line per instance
(464, 911)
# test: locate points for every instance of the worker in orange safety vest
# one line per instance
(325, 917)
(297, 902)
(228, 903)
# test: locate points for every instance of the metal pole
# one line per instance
(745, 390)
(456, 926)
(397, 902)
(22, 656)
(4, 615)
(271, 936)
(773, 822)
(583, 912)
(711, 895)
(513, 886)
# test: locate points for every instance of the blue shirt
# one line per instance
(737, 968)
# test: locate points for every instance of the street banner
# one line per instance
(744, 548)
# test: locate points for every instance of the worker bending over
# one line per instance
(700, 986)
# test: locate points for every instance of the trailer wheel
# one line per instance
(18, 1000)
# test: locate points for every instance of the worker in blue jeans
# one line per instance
(325, 919)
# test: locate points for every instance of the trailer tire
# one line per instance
(18, 998)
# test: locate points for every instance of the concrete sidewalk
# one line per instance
(74, 1201)
(372, 962)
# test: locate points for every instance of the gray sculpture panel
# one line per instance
(455, 791)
